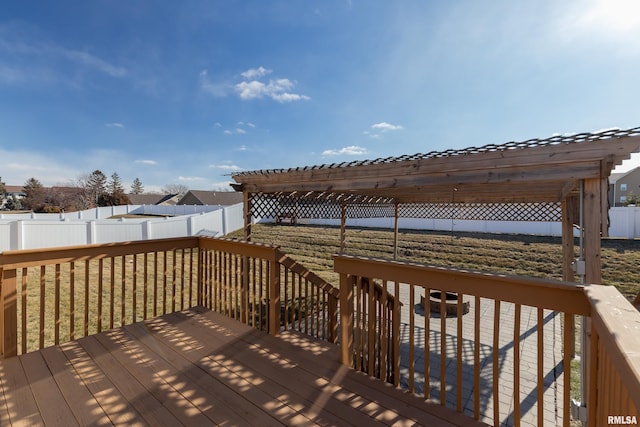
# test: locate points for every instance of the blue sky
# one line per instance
(188, 92)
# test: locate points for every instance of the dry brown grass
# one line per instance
(536, 256)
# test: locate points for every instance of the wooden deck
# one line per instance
(200, 368)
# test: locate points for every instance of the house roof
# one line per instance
(536, 170)
(211, 197)
(14, 189)
(149, 199)
(614, 177)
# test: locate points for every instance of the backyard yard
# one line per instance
(536, 256)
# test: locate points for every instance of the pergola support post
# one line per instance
(569, 206)
(343, 225)
(395, 230)
(247, 206)
(592, 215)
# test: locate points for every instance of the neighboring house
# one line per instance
(624, 187)
(201, 197)
(12, 191)
(154, 199)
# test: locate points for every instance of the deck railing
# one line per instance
(55, 295)
(500, 362)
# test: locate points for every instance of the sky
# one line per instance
(189, 92)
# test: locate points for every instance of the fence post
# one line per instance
(274, 295)
(9, 313)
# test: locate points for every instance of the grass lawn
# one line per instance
(536, 256)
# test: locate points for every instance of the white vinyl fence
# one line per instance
(624, 222)
(33, 231)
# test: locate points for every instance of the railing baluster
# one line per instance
(86, 298)
(112, 292)
(72, 301)
(496, 361)
(443, 348)
(24, 279)
(100, 284)
(412, 348)
(42, 304)
(540, 366)
(476, 358)
(56, 335)
(123, 291)
(358, 325)
(516, 365)
(182, 279)
(145, 285)
(396, 334)
(459, 355)
(427, 343)
(566, 368)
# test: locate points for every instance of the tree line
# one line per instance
(88, 191)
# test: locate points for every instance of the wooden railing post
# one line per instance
(9, 313)
(346, 318)
(274, 295)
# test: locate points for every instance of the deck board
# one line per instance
(198, 367)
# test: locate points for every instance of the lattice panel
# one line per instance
(545, 212)
(271, 206)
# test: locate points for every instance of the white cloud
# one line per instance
(221, 186)
(255, 73)
(226, 167)
(147, 162)
(94, 62)
(251, 125)
(278, 90)
(13, 40)
(190, 178)
(240, 131)
(243, 148)
(214, 89)
(385, 127)
(115, 125)
(352, 150)
(612, 16)
(253, 87)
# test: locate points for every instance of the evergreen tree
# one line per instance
(3, 192)
(115, 195)
(34, 195)
(13, 204)
(136, 187)
(96, 185)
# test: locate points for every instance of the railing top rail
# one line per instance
(298, 268)
(545, 293)
(59, 255)
(618, 325)
(250, 249)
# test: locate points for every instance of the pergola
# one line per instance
(568, 173)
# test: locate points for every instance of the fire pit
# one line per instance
(452, 308)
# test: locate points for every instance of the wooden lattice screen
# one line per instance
(271, 206)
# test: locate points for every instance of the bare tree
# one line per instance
(175, 189)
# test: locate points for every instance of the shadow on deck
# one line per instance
(197, 367)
